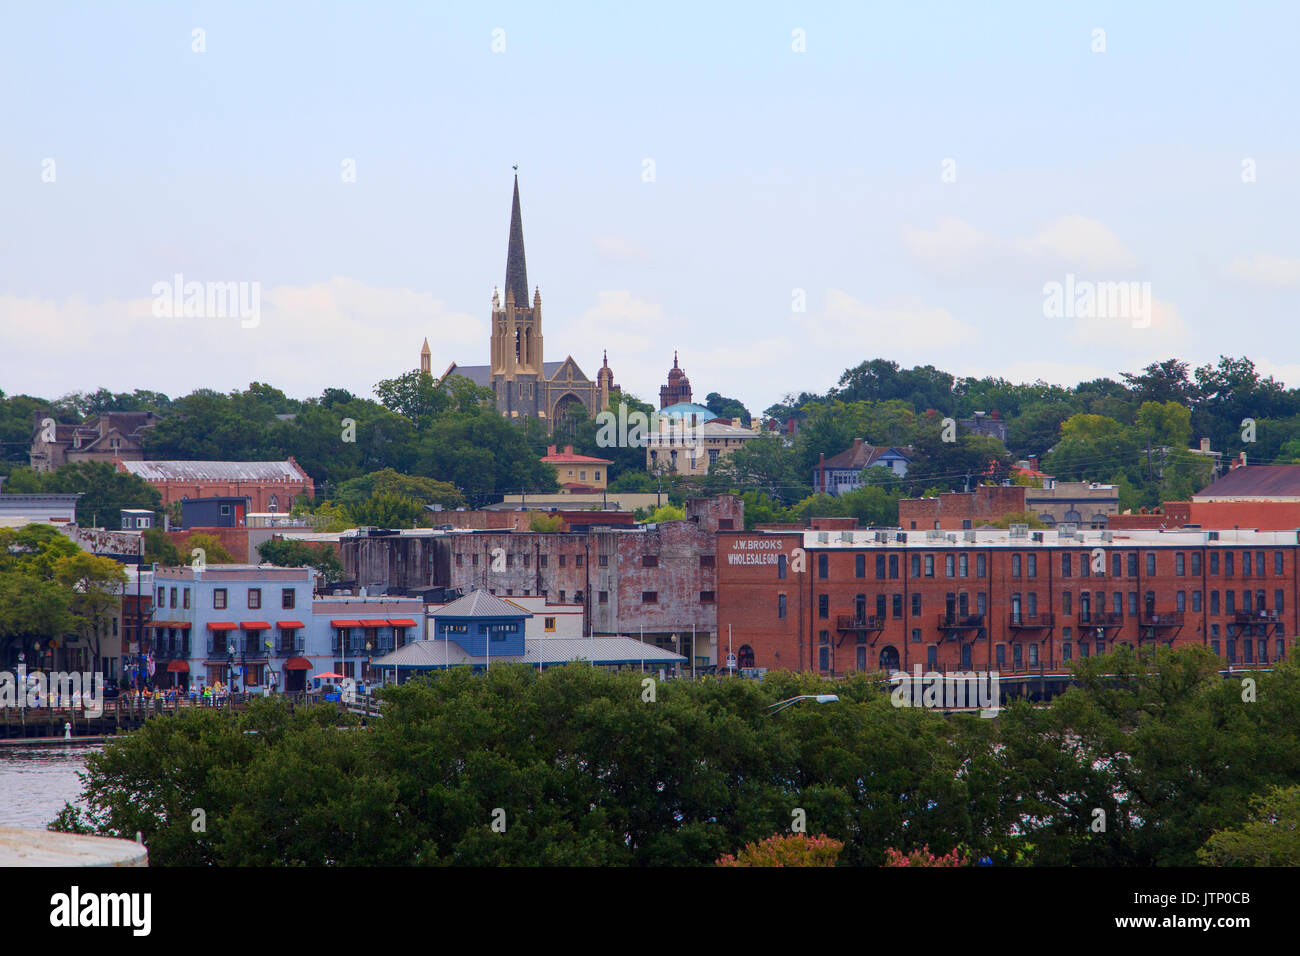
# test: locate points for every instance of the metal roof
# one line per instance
(480, 603)
(546, 650)
(1254, 481)
(216, 470)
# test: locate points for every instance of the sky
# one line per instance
(775, 191)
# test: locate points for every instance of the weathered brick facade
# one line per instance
(869, 601)
(956, 510)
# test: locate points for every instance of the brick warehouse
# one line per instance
(660, 580)
(1013, 601)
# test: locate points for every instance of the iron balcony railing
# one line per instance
(960, 621)
(846, 622)
(1042, 619)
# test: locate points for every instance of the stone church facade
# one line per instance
(524, 383)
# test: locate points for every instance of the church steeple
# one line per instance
(516, 268)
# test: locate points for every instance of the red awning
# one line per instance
(297, 664)
(289, 625)
(376, 623)
(222, 626)
(255, 625)
(345, 623)
(401, 622)
(178, 667)
(186, 625)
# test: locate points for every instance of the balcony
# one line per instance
(960, 622)
(1260, 616)
(285, 648)
(1031, 620)
(1162, 619)
(1101, 619)
(847, 623)
(170, 650)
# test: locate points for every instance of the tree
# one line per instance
(387, 481)
(96, 586)
(33, 610)
(104, 492)
(1270, 837)
(725, 407)
(787, 849)
(291, 553)
(213, 550)
(666, 513)
(387, 510)
(158, 549)
(547, 524)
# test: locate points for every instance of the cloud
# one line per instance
(851, 326)
(300, 335)
(1155, 325)
(619, 250)
(1266, 269)
(955, 248)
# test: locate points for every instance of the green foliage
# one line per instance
(548, 524)
(158, 548)
(666, 513)
(1270, 837)
(1014, 517)
(213, 550)
(389, 482)
(104, 491)
(292, 553)
(725, 407)
(387, 510)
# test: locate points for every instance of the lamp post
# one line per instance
(230, 649)
(819, 698)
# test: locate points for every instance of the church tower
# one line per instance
(678, 389)
(426, 358)
(516, 325)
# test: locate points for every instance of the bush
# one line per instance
(923, 857)
(793, 849)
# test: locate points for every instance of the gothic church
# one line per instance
(524, 383)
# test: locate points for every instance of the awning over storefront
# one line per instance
(401, 622)
(222, 626)
(185, 625)
(297, 664)
(255, 625)
(380, 622)
(178, 667)
(290, 625)
(345, 623)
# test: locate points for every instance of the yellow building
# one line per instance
(578, 473)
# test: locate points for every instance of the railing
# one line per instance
(288, 648)
(848, 623)
(960, 621)
(1030, 620)
(1260, 616)
(1101, 619)
(1163, 619)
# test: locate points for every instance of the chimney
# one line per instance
(1033, 462)
(568, 449)
(1239, 463)
(857, 443)
(550, 450)
(1205, 446)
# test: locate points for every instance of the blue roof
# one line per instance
(686, 410)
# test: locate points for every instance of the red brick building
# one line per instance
(272, 486)
(958, 510)
(1011, 601)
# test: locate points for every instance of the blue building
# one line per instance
(483, 624)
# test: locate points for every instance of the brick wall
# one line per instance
(986, 503)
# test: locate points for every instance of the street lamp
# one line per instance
(231, 676)
(819, 698)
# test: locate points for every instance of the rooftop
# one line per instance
(1265, 482)
(546, 650)
(1044, 538)
(216, 470)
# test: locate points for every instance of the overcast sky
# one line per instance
(913, 176)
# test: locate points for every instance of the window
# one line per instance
(1214, 562)
(1151, 562)
(916, 565)
(549, 623)
(1083, 648)
(1180, 601)
(916, 635)
(780, 567)
(1228, 559)
(822, 563)
(542, 560)
(880, 567)
(860, 566)
(1180, 564)
(963, 565)
(1032, 566)
(824, 650)
(528, 560)
(1278, 604)
(1117, 603)
(1015, 565)
(1196, 600)
(981, 565)
(931, 657)
(510, 560)
(1196, 562)
(602, 597)
(823, 605)
(1085, 567)
(173, 597)
(981, 606)
(1277, 562)
(929, 565)
(893, 566)
(780, 607)
(287, 598)
(473, 559)
(1065, 565)
(1132, 603)
(185, 597)
(561, 601)
(577, 560)
(218, 599)
(254, 598)
(916, 604)
(162, 597)
(706, 597)
(1033, 655)
(1245, 570)
(1066, 601)
(647, 597)
(898, 605)
(1230, 602)
(1133, 564)
(949, 566)
(706, 560)
(1117, 565)
(1017, 656)
(563, 558)
(1000, 655)
(1214, 603)
(724, 524)
(1067, 651)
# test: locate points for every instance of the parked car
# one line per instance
(111, 690)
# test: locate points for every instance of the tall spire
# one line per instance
(516, 268)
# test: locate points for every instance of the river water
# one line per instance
(35, 782)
